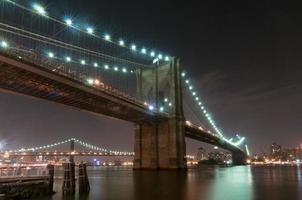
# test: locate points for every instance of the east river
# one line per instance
(205, 183)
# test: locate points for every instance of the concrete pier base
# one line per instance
(239, 158)
(160, 146)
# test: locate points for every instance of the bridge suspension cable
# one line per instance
(69, 22)
(82, 143)
(196, 97)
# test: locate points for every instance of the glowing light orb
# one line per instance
(4, 44)
(133, 47)
(107, 37)
(68, 59)
(39, 9)
(122, 43)
(90, 30)
(51, 55)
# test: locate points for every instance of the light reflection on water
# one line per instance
(207, 182)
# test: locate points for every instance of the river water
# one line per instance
(205, 183)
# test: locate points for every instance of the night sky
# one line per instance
(244, 56)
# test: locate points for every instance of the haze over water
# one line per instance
(206, 183)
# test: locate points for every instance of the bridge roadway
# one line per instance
(23, 77)
(20, 76)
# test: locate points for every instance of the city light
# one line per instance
(188, 123)
(121, 43)
(90, 30)
(68, 59)
(68, 22)
(4, 44)
(151, 107)
(39, 9)
(96, 81)
(124, 70)
(107, 37)
(152, 54)
(106, 66)
(144, 51)
(115, 68)
(160, 56)
(51, 55)
(95, 64)
(167, 58)
(90, 81)
(133, 47)
(161, 109)
(83, 62)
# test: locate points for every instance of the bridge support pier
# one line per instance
(69, 178)
(51, 172)
(83, 181)
(239, 158)
(160, 145)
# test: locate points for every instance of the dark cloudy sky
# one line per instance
(245, 57)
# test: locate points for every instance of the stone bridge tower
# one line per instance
(161, 144)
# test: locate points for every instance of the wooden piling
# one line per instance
(69, 178)
(51, 172)
(84, 186)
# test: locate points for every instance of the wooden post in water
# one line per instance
(51, 172)
(83, 179)
(69, 178)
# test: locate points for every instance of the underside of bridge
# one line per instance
(159, 138)
(21, 77)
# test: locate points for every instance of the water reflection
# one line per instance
(206, 183)
(234, 183)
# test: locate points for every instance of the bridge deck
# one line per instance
(197, 134)
(20, 76)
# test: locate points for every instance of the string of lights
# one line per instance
(206, 113)
(64, 45)
(68, 21)
(84, 144)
